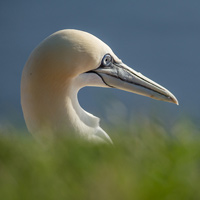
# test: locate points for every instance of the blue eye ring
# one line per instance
(107, 60)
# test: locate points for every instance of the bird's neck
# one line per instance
(80, 121)
(54, 108)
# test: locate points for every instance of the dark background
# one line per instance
(160, 39)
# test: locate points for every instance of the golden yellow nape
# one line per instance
(59, 67)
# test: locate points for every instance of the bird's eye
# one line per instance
(107, 59)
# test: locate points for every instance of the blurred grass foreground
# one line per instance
(146, 163)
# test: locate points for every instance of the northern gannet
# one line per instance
(59, 67)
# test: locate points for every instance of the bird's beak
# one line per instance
(125, 78)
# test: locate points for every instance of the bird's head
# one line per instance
(72, 54)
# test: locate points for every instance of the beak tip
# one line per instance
(177, 103)
(174, 100)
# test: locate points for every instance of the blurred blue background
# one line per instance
(160, 39)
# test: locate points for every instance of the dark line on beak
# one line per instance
(101, 78)
(121, 66)
(132, 82)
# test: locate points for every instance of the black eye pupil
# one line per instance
(107, 59)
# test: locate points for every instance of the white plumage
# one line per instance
(59, 67)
